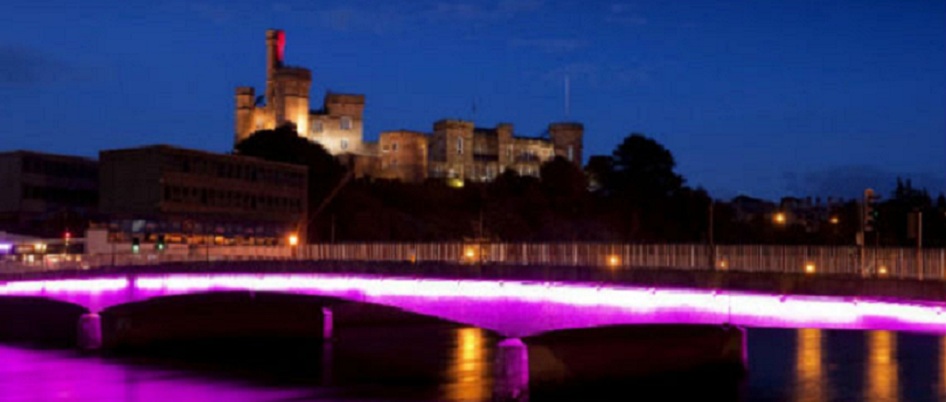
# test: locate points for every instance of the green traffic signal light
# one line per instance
(135, 245)
(160, 244)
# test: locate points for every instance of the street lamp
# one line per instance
(779, 218)
(293, 242)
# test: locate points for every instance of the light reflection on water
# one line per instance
(42, 375)
(809, 366)
(882, 383)
(469, 373)
(823, 366)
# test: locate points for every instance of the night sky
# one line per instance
(765, 98)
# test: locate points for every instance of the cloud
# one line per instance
(600, 75)
(22, 66)
(216, 13)
(622, 13)
(499, 11)
(380, 18)
(550, 45)
(367, 19)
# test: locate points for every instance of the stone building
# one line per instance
(188, 194)
(459, 150)
(403, 156)
(337, 125)
(45, 194)
(456, 150)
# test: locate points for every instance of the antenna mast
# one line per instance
(567, 96)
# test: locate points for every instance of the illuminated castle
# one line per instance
(455, 150)
(337, 126)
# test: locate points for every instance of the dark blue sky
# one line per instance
(764, 98)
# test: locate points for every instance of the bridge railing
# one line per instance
(883, 262)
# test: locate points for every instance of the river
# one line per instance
(448, 363)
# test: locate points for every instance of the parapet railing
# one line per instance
(839, 260)
(903, 263)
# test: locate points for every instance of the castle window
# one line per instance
(345, 123)
(393, 147)
(460, 146)
(571, 153)
(316, 127)
(343, 144)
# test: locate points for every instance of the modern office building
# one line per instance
(190, 195)
(45, 194)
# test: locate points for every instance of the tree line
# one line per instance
(633, 195)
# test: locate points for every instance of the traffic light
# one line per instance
(870, 210)
(160, 245)
(135, 245)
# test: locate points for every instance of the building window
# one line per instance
(393, 147)
(343, 144)
(571, 153)
(345, 124)
(460, 146)
(316, 127)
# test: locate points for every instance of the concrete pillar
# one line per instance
(327, 330)
(735, 347)
(90, 331)
(511, 382)
(327, 363)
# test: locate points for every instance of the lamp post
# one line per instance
(293, 243)
(709, 236)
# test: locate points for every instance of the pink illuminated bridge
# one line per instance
(514, 308)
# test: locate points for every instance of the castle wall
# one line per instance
(529, 154)
(403, 156)
(567, 139)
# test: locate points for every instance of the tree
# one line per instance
(643, 170)
(562, 179)
(285, 145)
(600, 168)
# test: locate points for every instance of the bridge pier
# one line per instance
(327, 329)
(511, 380)
(90, 331)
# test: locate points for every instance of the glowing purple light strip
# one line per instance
(656, 305)
(5, 247)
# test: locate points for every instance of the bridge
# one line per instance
(480, 287)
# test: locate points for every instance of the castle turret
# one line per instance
(245, 113)
(567, 140)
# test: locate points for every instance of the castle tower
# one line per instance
(291, 97)
(505, 148)
(275, 55)
(567, 141)
(245, 113)
(452, 153)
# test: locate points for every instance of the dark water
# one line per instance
(440, 362)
